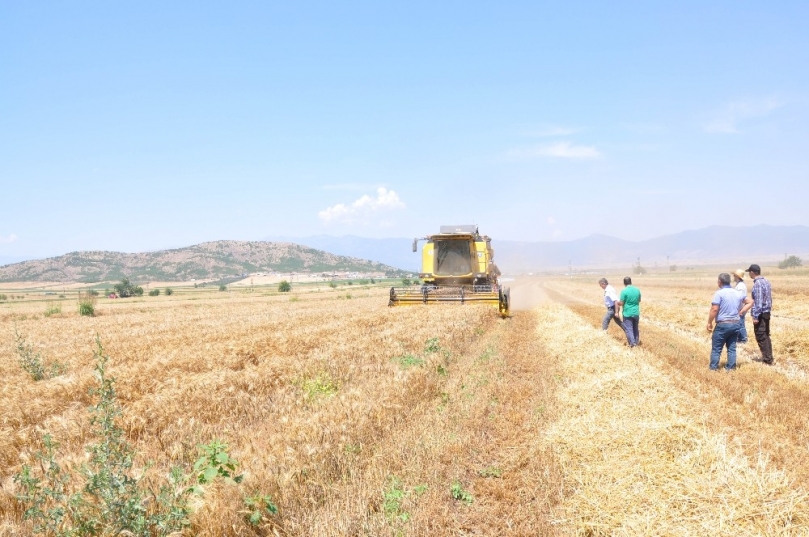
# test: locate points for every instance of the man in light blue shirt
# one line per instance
(727, 307)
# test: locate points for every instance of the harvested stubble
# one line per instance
(237, 369)
(639, 454)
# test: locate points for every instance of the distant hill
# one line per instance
(702, 246)
(208, 260)
(741, 245)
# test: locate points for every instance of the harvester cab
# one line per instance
(457, 265)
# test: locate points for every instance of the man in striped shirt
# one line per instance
(762, 306)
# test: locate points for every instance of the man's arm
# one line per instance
(618, 304)
(712, 316)
(746, 305)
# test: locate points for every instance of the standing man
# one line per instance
(610, 298)
(630, 302)
(762, 306)
(726, 308)
(741, 288)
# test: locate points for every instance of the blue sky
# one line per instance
(135, 127)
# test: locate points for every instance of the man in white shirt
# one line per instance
(610, 298)
(741, 288)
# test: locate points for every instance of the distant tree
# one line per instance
(223, 287)
(673, 268)
(790, 262)
(126, 289)
(169, 291)
(154, 292)
(406, 281)
(637, 269)
(284, 286)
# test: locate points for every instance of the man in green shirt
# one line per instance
(630, 302)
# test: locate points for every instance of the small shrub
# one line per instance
(332, 284)
(259, 507)
(673, 268)
(409, 360)
(284, 287)
(373, 280)
(637, 269)
(322, 384)
(406, 282)
(93, 292)
(170, 291)
(490, 471)
(154, 292)
(32, 363)
(393, 497)
(458, 493)
(87, 304)
(52, 309)
(431, 346)
(350, 282)
(112, 500)
(3, 297)
(223, 287)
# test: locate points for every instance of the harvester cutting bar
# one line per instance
(425, 294)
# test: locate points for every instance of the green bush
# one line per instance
(284, 286)
(53, 308)
(792, 261)
(87, 304)
(169, 291)
(32, 363)
(3, 297)
(406, 281)
(113, 499)
(154, 292)
(637, 269)
(223, 287)
(333, 284)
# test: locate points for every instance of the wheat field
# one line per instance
(359, 419)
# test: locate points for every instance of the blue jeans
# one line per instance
(631, 330)
(610, 316)
(742, 330)
(724, 334)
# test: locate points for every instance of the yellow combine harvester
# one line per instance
(456, 266)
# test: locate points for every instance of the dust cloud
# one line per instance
(527, 292)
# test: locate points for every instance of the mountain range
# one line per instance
(394, 256)
(752, 244)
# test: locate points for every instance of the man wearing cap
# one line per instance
(741, 288)
(762, 306)
(610, 298)
(726, 308)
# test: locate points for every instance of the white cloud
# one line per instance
(8, 239)
(363, 209)
(551, 220)
(727, 119)
(557, 150)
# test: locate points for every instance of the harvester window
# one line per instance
(453, 258)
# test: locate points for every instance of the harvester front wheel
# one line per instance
(505, 302)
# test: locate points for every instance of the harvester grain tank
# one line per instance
(457, 265)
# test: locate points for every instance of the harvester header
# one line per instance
(457, 265)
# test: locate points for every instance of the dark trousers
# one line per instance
(610, 316)
(762, 331)
(631, 329)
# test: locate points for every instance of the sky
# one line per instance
(150, 125)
